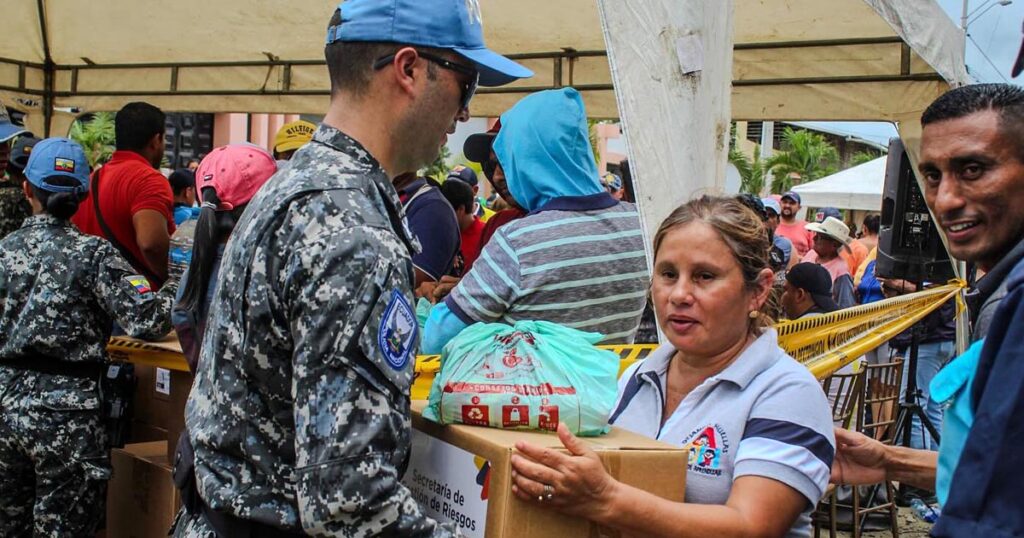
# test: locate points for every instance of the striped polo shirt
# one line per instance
(581, 268)
(764, 415)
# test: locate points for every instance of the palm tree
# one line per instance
(865, 156)
(753, 172)
(805, 156)
(96, 136)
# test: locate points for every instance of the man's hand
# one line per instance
(860, 460)
(444, 287)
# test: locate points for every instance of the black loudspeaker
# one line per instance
(909, 245)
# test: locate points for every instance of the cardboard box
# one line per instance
(448, 476)
(146, 433)
(141, 498)
(160, 397)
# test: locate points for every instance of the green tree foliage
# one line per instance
(753, 172)
(862, 157)
(439, 168)
(805, 156)
(96, 136)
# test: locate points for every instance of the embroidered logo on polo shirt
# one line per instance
(707, 447)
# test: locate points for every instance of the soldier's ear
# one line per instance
(26, 188)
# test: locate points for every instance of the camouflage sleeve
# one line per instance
(129, 298)
(352, 425)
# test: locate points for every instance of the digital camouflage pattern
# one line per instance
(14, 208)
(299, 414)
(60, 291)
(54, 458)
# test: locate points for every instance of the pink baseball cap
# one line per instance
(235, 172)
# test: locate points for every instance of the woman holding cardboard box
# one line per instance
(756, 422)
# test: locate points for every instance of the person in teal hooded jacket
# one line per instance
(576, 259)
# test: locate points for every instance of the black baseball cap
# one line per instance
(477, 148)
(21, 151)
(814, 279)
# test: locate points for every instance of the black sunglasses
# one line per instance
(468, 89)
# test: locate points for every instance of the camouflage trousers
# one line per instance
(54, 458)
(191, 526)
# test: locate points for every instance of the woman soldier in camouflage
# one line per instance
(60, 293)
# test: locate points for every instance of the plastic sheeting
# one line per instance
(794, 59)
(859, 187)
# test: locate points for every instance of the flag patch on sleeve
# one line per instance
(140, 283)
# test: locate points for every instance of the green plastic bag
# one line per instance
(423, 307)
(532, 375)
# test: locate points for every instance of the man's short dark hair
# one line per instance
(182, 179)
(1005, 99)
(458, 194)
(350, 63)
(136, 124)
(871, 223)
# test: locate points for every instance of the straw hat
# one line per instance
(833, 228)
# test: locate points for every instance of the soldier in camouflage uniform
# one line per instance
(14, 208)
(60, 292)
(299, 414)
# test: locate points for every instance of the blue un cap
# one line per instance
(58, 157)
(456, 25)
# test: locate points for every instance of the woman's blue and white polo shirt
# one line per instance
(764, 415)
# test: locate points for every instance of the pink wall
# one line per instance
(230, 128)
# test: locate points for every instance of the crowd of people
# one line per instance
(303, 258)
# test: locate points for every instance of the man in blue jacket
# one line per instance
(972, 163)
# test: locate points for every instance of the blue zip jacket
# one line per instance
(984, 497)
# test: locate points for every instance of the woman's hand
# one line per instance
(574, 483)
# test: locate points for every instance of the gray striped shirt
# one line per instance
(585, 269)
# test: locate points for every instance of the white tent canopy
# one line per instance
(859, 187)
(793, 59)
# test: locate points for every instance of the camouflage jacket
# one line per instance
(14, 208)
(61, 291)
(299, 414)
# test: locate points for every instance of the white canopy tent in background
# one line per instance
(857, 188)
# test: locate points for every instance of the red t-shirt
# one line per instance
(471, 243)
(128, 184)
(496, 221)
(801, 238)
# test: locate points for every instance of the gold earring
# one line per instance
(754, 314)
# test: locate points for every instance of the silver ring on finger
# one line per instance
(549, 492)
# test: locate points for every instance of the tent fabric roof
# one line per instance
(793, 59)
(859, 187)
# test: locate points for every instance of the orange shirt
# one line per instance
(855, 255)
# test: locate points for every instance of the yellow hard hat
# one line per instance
(293, 135)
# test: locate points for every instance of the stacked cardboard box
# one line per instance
(141, 498)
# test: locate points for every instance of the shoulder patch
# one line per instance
(396, 335)
(141, 285)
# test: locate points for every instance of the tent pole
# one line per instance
(48, 70)
(671, 65)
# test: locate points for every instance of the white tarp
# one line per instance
(859, 187)
(793, 59)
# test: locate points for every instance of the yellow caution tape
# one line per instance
(827, 343)
(823, 343)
